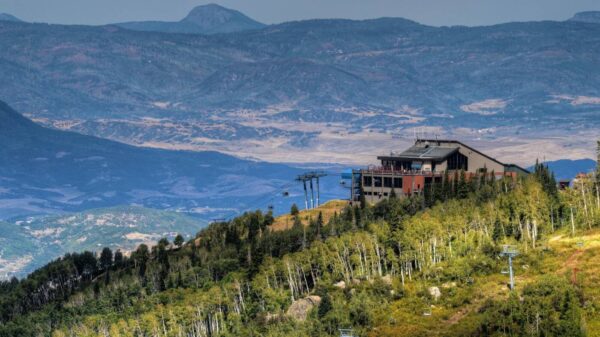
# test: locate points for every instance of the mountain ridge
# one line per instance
(385, 78)
(9, 17)
(587, 17)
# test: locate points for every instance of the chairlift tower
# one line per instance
(304, 179)
(309, 177)
(510, 252)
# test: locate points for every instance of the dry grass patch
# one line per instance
(328, 209)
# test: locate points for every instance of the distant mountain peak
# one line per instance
(8, 17)
(205, 19)
(218, 19)
(589, 17)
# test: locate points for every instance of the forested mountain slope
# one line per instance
(424, 266)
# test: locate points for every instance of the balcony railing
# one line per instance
(393, 171)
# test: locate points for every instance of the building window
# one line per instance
(367, 181)
(458, 161)
(397, 182)
(377, 181)
(387, 182)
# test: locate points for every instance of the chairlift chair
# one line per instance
(270, 207)
(286, 193)
(504, 271)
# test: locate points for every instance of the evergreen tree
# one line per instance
(455, 184)
(141, 257)
(106, 258)
(178, 240)
(294, 211)
(164, 242)
(363, 199)
(498, 232)
(358, 223)
(446, 187)
(319, 226)
(462, 190)
(118, 258)
(325, 306)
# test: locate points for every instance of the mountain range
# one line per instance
(295, 90)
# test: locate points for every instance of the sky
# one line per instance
(431, 12)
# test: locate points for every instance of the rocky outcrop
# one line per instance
(299, 309)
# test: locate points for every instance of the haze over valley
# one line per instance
(314, 90)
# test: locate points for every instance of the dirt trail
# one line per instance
(573, 261)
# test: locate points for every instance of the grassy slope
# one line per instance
(328, 209)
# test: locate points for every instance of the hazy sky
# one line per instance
(432, 12)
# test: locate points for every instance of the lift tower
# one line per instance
(309, 177)
(510, 252)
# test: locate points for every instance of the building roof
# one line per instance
(442, 148)
(431, 152)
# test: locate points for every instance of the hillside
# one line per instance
(31, 243)
(312, 90)
(45, 171)
(206, 19)
(587, 17)
(423, 266)
(8, 17)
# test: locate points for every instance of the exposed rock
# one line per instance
(387, 279)
(300, 308)
(341, 285)
(448, 285)
(435, 292)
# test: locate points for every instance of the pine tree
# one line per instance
(294, 211)
(118, 258)
(462, 190)
(498, 232)
(358, 217)
(142, 255)
(446, 187)
(363, 199)
(455, 184)
(106, 258)
(325, 306)
(319, 226)
(178, 240)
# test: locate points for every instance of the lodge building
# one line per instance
(424, 163)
